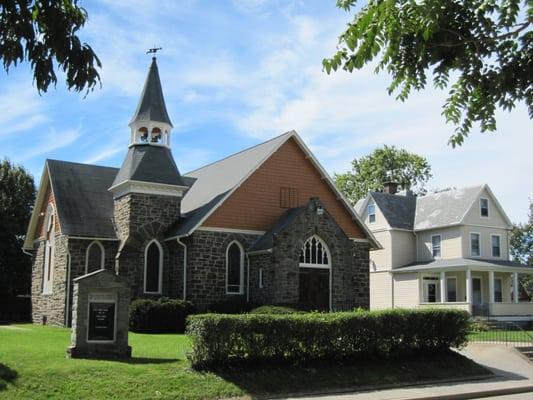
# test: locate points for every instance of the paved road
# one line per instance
(523, 396)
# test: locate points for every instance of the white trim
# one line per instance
(324, 246)
(479, 243)
(241, 269)
(499, 244)
(161, 255)
(34, 220)
(440, 246)
(435, 279)
(480, 208)
(102, 255)
(49, 250)
(359, 240)
(230, 230)
(132, 186)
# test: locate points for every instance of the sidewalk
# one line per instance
(514, 374)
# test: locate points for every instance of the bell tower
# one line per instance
(148, 188)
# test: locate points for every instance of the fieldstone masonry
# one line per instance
(100, 316)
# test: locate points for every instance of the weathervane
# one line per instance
(154, 50)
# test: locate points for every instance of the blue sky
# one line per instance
(235, 73)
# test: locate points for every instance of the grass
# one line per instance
(33, 366)
(501, 336)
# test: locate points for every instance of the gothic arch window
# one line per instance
(315, 253)
(94, 257)
(49, 247)
(234, 268)
(153, 267)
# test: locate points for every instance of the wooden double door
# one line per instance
(314, 288)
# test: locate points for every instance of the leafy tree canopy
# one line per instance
(411, 171)
(44, 33)
(17, 194)
(480, 50)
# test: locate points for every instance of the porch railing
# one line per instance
(506, 333)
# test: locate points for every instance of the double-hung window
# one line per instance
(371, 213)
(496, 245)
(475, 250)
(436, 246)
(484, 207)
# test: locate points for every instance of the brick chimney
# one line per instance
(390, 187)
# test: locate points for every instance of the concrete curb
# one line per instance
(478, 394)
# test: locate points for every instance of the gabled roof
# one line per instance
(83, 204)
(152, 106)
(266, 241)
(397, 209)
(217, 181)
(147, 163)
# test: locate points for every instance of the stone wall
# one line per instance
(49, 307)
(206, 265)
(266, 294)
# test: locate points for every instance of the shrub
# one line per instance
(236, 304)
(159, 316)
(220, 340)
(273, 310)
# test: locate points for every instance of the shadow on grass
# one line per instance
(147, 360)
(274, 380)
(7, 375)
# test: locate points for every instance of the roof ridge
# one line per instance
(78, 163)
(291, 132)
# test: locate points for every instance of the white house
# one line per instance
(449, 249)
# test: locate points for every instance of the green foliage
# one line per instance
(159, 316)
(480, 50)
(521, 243)
(369, 172)
(17, 194)
(219, 340)
(235, 304)
(44, 33)
(273, 310)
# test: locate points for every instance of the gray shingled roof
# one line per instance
(152, 106)
(444, 208)
(398, 210)
(147, 163)
(266, 241)
(461, 263)
(84, 205)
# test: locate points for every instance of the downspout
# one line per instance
(27, 252)
(67, 308)
(247, 278)
(178, 240)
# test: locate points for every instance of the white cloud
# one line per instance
(53, 140)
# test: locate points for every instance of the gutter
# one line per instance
(178, 240)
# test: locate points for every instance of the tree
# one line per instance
(17, 194)
(480, 50)
(388, 163)
(522, 249)
(44, 33)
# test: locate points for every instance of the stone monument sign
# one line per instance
(100, 316)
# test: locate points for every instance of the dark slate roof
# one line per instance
(398, 210)
(266, 241)
(84, 205)
(186, 224)
(147, 163)
(151, 106)
(446, 263)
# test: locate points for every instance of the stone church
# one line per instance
(265, 225)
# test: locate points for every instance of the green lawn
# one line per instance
(500, 336)
(33, 366)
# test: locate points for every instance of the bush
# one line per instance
(159, 316)
(220, 340)
(15, 308)
(235, 304)
(273, 310)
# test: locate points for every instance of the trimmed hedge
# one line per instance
(159, 316)
(273, 310)
(220, 340)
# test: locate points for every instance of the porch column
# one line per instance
(515, 287)
(491, 287)
(468, 286)
(443, 287)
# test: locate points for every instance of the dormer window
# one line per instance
(371, 213)
(484, 207)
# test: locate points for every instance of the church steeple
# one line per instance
(150, 123)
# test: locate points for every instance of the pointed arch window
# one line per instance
(94, 257)
(234, 268)
(153, 267)
(49, 247)
(315, 253)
